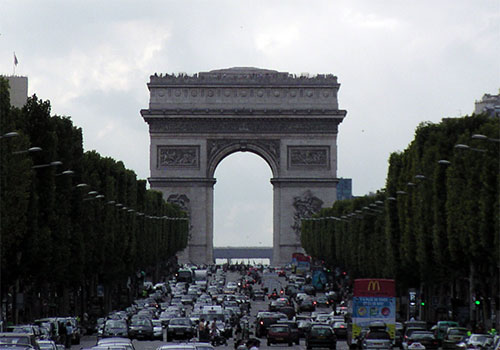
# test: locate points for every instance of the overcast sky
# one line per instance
(399, 63)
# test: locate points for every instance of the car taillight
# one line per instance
(261, 322)
(314, 303)
(342, 326)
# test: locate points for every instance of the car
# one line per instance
(289, 311)
(187, 346)
(407, 334)
(323, 302)
(115, 328)
(115, 343)
(307, 304)
(304, 327)
(258, 295)
(309, 289)
(47, 345)
(19, 338)
(442, 327)
(479, 341)
(294, 329)
(454, 335)
(376, 339)
(425, 338)
(340, 329)
(321, 336)
(141, 328)
(264, 320)
(157, 329)
(278, 334)
(26, 328)
(180, 328)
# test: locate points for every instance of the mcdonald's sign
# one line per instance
(374, 287)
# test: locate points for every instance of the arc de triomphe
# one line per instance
(291, 122)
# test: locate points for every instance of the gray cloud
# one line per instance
(399, 63)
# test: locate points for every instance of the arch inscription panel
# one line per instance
(291, 122)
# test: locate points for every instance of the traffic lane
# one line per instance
(89, 341)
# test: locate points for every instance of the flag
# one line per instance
(15, 59)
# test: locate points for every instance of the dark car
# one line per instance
(307, 304)
(180, 328)
(322, 301)
(275, 305)
(309, 289)
(115, 328)
(340, 329)
(304, 327)
(454, 335)
(294, 329)
(321, 336)
(259, 295)
(141, 328)
(425, 338)
(278, 334)
(289, 311)
(265, 320)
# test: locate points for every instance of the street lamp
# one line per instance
(461, 146)
(54, 163)
(9, 134)
(484, 137)
(29, 150)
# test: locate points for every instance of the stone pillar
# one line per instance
(195, 195)
(295, 199)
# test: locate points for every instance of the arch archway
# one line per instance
(291, 122)
(243, 202)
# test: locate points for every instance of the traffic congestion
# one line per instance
(245, 307)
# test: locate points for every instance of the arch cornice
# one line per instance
(218, 149)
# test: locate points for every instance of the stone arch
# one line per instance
(221, 148)
(291, 122)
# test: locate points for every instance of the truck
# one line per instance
(373, 302)
(201, 278)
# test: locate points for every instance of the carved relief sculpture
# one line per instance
(176, 156)
(308, 156)
(305, 206)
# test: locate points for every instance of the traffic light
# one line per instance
(422, 303)
(477, 302)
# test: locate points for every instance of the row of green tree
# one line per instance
(435, 223)
(60, 238)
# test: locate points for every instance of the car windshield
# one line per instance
(321, 331)
(180, 322)
(378, 335)
(458, 332)
(141, 322)
(422, 335)
(112, 324)
(478, 338)
(14, 340)
(280, 329)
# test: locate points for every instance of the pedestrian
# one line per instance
(62, 333)
(201, 330)
(69, 334)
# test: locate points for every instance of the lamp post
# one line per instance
(484, 137)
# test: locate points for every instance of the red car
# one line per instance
(278, 334)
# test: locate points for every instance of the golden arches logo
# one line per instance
(374, 285)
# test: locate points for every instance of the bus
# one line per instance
(301, 264)
(373, 302)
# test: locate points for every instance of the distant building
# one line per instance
(344, 189)
(488, 104)
(18, 90)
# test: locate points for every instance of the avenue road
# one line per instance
(271, 280)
